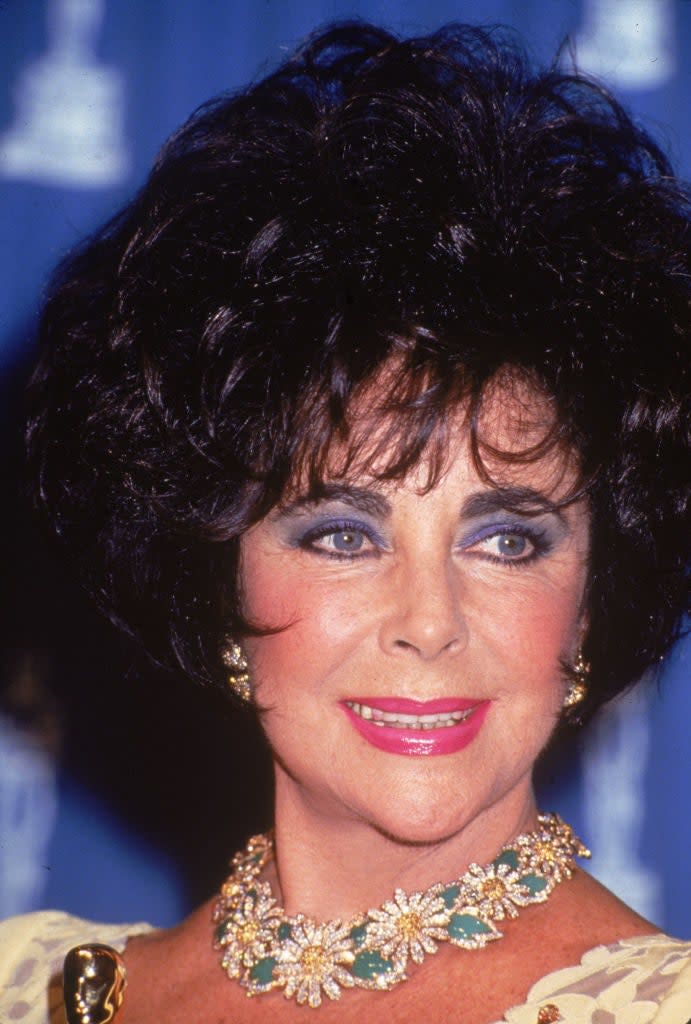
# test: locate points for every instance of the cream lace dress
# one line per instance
(634, 981)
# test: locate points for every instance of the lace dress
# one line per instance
(634, 981)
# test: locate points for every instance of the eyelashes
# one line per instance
(343, 540)
(512, 544)
(509, 544)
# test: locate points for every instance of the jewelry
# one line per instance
(238, 678)
(548, 1014)
(578, 688)
(93, 984)
(264, 949)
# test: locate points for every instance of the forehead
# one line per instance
(507, 436)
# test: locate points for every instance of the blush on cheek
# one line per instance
(548, 636)
(283, 656)
(308, 613)
(275, 594)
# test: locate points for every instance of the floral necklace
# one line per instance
(263, 948)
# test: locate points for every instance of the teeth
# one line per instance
(392, 720)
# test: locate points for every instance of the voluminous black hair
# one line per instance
(433, 204)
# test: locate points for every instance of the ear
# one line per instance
(579, 636)
(583, 627)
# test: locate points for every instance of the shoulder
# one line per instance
(32, 949)
(644, 978)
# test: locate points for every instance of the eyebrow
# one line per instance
(524, 500)
(509, 499)
(362, 498)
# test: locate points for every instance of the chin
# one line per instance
(420, 824)
(405, 836)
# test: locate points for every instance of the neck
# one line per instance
(329, 865)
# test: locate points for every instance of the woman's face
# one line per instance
(441, 615)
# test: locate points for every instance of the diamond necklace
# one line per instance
(264, 949)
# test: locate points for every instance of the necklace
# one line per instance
(264, 949)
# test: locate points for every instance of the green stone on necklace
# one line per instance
(264, 949)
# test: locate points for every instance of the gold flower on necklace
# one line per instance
(495, 891)
(547, 860)
(551, 851)
(313, 960)
(264, 948)
(249, 931)
(408, 926)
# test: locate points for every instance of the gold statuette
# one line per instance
(93, 984)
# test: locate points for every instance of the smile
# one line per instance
(416, 728)
(391, 720)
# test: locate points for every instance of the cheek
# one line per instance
(318, 624)
(534, 628)
(550, 630)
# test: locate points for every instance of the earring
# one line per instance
(578, 688)
(238, 677)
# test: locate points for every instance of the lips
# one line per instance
(416, 728)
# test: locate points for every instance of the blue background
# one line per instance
(121, 793)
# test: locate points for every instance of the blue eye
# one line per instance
(338, 540)
(508, 545)
(511, 545)
(344, 541)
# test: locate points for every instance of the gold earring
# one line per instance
(578, 688)
(234, 659)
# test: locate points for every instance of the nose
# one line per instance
(425, 617)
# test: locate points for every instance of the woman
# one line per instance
(369, 407)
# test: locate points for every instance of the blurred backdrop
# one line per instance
(122, 792)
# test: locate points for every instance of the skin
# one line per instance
(442, 594)
(388, 590)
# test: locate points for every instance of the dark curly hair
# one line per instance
(435, 201)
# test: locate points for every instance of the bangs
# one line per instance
(415, 409)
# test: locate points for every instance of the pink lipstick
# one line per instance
(416, 728)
